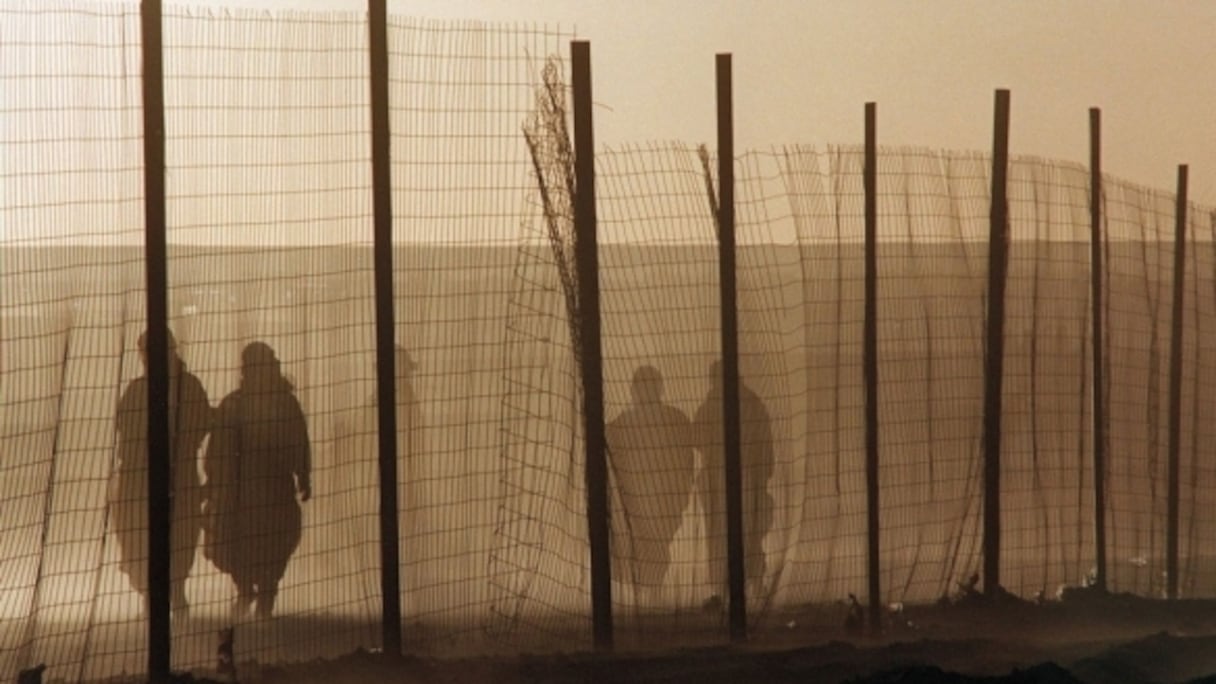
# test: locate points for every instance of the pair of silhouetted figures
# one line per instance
(256, 464)
(653, 448)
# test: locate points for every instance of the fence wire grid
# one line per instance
(271, 304)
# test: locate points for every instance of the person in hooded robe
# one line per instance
(757, 463)
(190, 420)
(650, 447)
(258, 470)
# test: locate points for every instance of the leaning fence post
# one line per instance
(731, 428)
(386, 394)
(587, 260)
(870, 362)
(156, 281)
(1175, 418)
(1096, 337)
(998, 269)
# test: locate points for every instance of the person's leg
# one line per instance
(715, 541)
(269, 574)
(185, 539)
(132, 536)
(245, 593)
(758, 518)
(134, 564)
(177, 597)
(267, 593)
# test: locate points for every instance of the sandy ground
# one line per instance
(1087, 637)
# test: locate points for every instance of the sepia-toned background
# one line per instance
(269, 226)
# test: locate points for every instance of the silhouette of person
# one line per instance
(756, 463)
(190, 419)
(257, 463)
(651, 453)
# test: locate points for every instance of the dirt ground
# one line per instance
(1086, 637)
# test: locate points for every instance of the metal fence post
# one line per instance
(870, 364)
(1099, 379)
(1175, 408)
(587, 259)
(732, 430)
(160, 638)
(386, 391)
(998, 269)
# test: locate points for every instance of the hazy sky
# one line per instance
(803, 70)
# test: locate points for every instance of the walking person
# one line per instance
(257, 464)
(652, 458)
(756, 463)
(190, 419)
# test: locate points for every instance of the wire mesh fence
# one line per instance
(271, 293)
(269, 204)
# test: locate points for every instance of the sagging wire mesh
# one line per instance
(269, 213)
(269, 209)
(270, 249)
(661, 340)
(71, 228)
(540, 563)
(1198, 573)
(932, 213)
(1140, 247)
(462, 185)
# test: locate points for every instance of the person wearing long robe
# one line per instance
(257, 464)
(190, 420)
(757, 463)
(650, 448)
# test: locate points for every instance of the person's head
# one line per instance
(259, 364)
(142, 342)
(647, 385)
